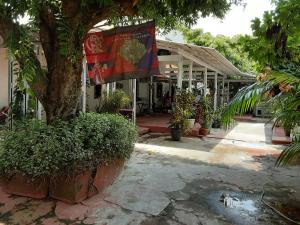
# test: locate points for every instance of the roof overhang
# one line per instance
(204, 56)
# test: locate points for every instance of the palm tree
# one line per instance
(281, 90)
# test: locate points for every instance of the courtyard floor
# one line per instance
(172, 183)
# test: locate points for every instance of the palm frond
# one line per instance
(284, 78)
(289, 154)
(245, 99)
(287, 118)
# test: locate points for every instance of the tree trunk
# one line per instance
(63, 89)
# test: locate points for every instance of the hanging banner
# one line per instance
(122, 53)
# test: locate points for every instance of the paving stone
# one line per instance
(70, 212)
(51, 221)
(187, 218)
(95, 201)
(138, 198)
(110, 214)
(31, 211)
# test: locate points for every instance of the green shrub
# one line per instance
(108, 136)
(36, 149)
(113, 102)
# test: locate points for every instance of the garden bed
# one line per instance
(279, 137)
(68, 161)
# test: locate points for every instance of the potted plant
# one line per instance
(217, 117)
(27, 159)
(107, 140)
(68, 161)
(113, 102)
(191, 119)
(181, 111)
(204, 116)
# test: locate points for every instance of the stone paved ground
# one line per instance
(174, 183)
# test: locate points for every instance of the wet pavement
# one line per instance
(196, 181)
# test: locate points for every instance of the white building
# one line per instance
(181, 66)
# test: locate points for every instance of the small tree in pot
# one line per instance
(204, 116)
(181, 111)
(217, 117)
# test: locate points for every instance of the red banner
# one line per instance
(122, 53)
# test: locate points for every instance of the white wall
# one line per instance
(3, 78)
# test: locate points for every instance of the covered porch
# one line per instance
(203, 71)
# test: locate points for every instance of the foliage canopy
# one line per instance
(60, 27)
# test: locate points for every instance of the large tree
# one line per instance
(60, 27)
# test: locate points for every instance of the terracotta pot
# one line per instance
(70, 189)
(107, 173)
(24, 186)
(203, 131)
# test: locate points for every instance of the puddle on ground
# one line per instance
(234, 202)
(241, 208)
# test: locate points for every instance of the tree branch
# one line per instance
(94, 14)
(38, 84)
(47, 32)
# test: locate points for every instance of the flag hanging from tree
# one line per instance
(122, 53)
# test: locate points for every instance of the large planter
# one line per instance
(203, 131)
(70, 189)
(67, 188)
(176, 134)
(107, 173)
(191, 123)
(74, 189)
(24, 186)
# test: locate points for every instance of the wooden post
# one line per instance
(107, 89)
(25, 99)
(151, 95)
(190, 75)
(228, 96)
(114, 85)
(38, 110)
(84, 73)
(223, 91)
(180, 73)
(134, 101)
(215, 91)
(205, 81)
